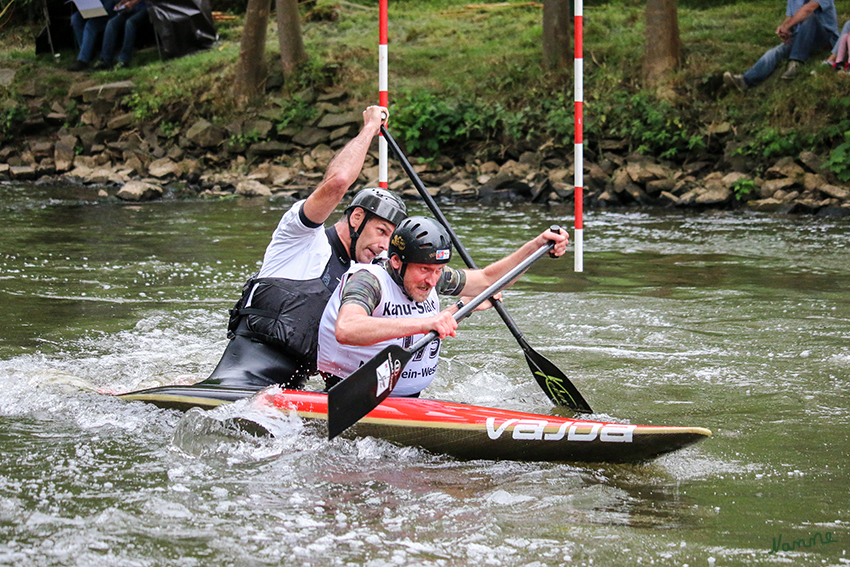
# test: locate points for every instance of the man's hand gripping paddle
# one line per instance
(354, 397)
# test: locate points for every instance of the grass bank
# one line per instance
(467, 78)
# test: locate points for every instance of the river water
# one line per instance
(732, 321)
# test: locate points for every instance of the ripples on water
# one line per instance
(100, 481)
(732, 322)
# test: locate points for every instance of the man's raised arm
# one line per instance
(344, 169)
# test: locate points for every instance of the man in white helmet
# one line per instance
(274, 326)
(398, 302)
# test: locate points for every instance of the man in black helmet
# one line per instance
(398, 302)
(273, 328)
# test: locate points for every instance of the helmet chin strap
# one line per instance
(354, 233)
(398, 277)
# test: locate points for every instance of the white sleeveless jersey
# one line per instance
(296, 251)
(341, 360)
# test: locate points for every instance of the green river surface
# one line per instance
(732, 321)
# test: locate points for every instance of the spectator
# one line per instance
(842, 57)
(809, 26)
(834, 56)
(130, 16)
(86, 32)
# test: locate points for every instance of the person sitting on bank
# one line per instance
(274, 325)
(809, 26)
(130, 17)
(836, 62)
(398, 302)
(87, 31)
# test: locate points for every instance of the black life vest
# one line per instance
(285, 313)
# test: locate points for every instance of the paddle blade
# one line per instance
(554, 383)
(353, 398)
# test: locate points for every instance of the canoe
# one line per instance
(184, 398)
(459, 430)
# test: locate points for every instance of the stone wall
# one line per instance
(131, 160)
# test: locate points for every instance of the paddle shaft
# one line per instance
(461, 249)
(361, 392)
(554, 383)
(488, 293)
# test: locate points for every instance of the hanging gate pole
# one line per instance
(383, 86)
(579, 137)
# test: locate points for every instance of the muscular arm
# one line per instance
(343, 170)
(356, 327)
(355, 324)
(479, 280)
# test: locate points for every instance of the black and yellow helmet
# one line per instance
(421, 240)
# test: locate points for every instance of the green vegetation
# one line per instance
(654, 126)
(744, 189)
(10, 118)
(295, 111)
(470, 79)
(244, 140)
(839, 159)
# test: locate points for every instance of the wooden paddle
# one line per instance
(551, 380)
(360, 393)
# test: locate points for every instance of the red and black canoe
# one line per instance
(460, 430)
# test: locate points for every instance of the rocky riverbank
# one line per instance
(185, 156)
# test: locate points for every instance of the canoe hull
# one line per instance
(474, 432)
(184, 398)
(460, 430)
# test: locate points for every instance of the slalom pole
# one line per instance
(383, 89)
(579, 143)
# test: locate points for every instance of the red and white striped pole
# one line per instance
(383, 92)
(579, 143)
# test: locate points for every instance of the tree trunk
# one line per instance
(251, 70)
(556, 35)
(289, 34)
(662, 53)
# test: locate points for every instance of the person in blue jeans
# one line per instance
(87, 32)
(130, 16)
(809, 26)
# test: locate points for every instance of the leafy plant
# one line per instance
(144, 106)
(431, 124)
(244, 140)
(10, 118)
(653, 126)
(315, 74)
(559, 118)
(426, 122)
(296, 112)
(839, 159)
(743, 188)
(168, 128)
(148, 104)
(773, 143)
